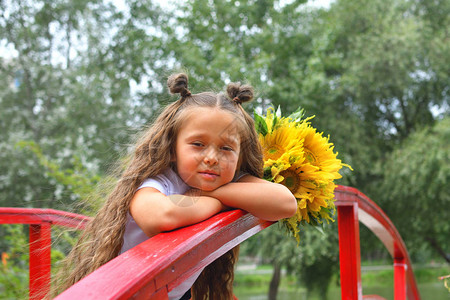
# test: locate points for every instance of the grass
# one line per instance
(378, 281)
(423, 274)
(259, 279)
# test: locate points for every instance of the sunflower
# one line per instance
(319, 151)
(281, 140)
(282, 137)
(302, 159)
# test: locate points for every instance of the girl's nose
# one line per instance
(210, 156)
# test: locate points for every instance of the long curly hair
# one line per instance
(102, 238)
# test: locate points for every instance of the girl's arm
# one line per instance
(265, 200)
(155, 212)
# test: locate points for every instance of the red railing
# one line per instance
(40, 221)
(153, 268)
(352, 205)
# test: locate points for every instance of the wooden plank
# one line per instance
(15, 215)
(349, 252)
(167, 258)
(40, 260)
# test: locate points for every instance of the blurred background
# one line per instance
(79, 79)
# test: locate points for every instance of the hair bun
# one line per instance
(178, 84)
(240, 93)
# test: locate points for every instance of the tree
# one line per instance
(383, 72)
(276, 248)
(415, 188)
(314, 260)
(380, 76)
(63, 92)
(263, 42)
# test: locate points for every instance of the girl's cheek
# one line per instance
(198, 155)
(232, 161)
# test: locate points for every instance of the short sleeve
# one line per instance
(154, 183)
(168, 183)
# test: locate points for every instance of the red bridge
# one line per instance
(153, 268)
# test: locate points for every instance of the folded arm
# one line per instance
(155, 212)
(265, 200)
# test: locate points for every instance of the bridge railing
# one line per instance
(354, 206)
(153, 268)
(40, 222)
(156, 266)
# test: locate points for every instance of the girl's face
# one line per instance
(207, 148)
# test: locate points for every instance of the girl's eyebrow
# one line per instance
(195, 136)
(229, 139)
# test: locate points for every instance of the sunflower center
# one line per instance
(291, 180)
(273, 152)
(310, 157)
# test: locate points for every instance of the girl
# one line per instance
(200, 157)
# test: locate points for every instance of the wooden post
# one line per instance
(40, 260)
(400, 278)
(349, 252)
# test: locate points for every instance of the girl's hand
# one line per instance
(264, 199)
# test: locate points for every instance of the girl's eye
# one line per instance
(227, 148)
(197, 144)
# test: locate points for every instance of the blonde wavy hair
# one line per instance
(102, 238)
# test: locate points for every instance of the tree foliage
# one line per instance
(313, 261)
(416, 177)
(62, 92)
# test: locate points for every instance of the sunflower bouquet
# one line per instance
(302, 159)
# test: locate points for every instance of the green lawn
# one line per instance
(377, 280)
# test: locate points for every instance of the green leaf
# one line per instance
(278, 112)
(267, 175)
(297, 115)
(274, 122)
(319, 229)
(260, 124)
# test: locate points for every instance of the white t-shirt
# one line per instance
(168, 183)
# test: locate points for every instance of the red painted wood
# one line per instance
(349, 251)
(149, 289)
(40, 221)
(400, 279)
(161, 294)
(373, 217)
(167, 259)
(40, 260)
(14, 215)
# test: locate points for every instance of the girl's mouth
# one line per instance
(210, 175)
